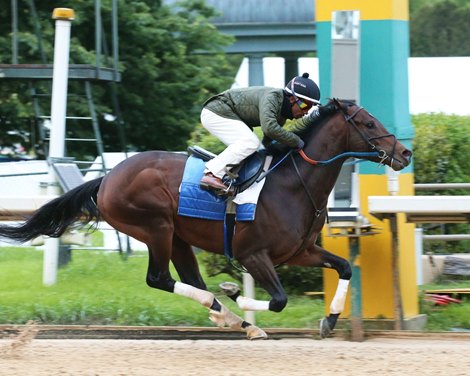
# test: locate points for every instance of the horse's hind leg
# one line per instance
(186, 265)
(262, 270)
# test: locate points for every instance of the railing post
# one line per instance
(419, 255)
(63, 17)
(249, 292)
(357, 330)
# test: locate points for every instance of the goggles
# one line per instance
(302, 105)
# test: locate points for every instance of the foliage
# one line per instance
(204, 139)
(294, 279)
(416, 5)
(167, 71)
(298, 280)
(448, 317)
(441, 148)
(440, 28)
(171, 59)
(201, 137)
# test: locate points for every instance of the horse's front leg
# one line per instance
(318, 257)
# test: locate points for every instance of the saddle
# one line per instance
(240, 176)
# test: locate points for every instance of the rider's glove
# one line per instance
(300, 145)
(320, 110)
(312, 116)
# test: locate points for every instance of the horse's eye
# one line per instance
(370, 124)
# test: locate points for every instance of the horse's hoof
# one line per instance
(217, 318)
(253, 333)
(325, 329)
(229, 288)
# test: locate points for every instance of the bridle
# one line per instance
(382, 154)
(368, 140)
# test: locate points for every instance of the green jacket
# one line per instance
(256, 106)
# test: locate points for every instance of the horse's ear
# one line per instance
(337, 103)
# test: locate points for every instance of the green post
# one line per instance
(357, 331)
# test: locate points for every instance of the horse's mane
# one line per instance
(326, 111)
(305, 131)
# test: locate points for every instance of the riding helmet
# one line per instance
(304, 88)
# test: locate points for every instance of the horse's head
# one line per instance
(367, 133)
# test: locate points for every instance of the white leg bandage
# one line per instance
(225, 316)
(206, 298)
(337, 304)
(231, 319)
(248, 304)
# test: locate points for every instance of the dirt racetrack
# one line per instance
(335, 356)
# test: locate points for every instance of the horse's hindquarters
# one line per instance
(139, 196)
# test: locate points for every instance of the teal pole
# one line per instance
(357, 331)
(255, 70)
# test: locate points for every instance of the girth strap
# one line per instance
(229, 230)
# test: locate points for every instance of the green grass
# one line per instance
(101, 288)
(450, 317)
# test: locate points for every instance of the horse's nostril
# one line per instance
(407, 153)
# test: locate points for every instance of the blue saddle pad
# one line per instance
(198, 203)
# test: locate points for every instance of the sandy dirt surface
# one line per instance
(26, 356)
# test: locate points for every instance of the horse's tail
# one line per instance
(53, 218)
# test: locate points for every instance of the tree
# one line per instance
(173, 61)
(171, 58)
(440, 28)
(441, 148)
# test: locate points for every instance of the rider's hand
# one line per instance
(313, 114)
(300, 145)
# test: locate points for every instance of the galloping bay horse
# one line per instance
(139, 197)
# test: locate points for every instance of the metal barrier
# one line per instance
(440, 186)
(447, 237)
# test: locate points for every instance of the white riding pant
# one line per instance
(240, 140)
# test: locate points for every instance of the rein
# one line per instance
(346, 154)
(317, 211)
(382, 154)
(263, 175)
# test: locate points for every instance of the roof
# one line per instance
(264, 11)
